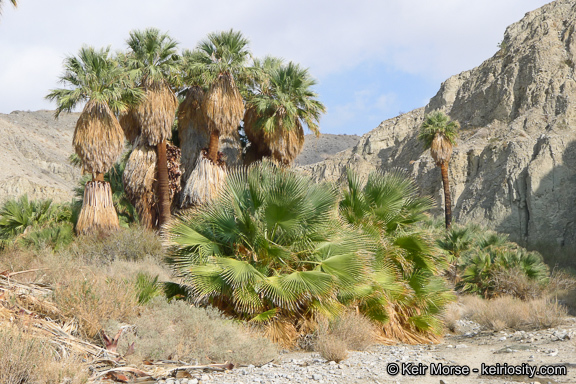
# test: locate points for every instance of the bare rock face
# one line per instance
(514, 168)
(34, 156)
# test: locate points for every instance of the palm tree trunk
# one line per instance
(163, 187)
(98, 212)
(213, 146)
(447, 199)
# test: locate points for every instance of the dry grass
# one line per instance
(98, 138)
(331, 348)
(98, 212)
(95, 280)
(349, 332)
(127, 244)
(450, 316)
(26, 360)
(513, 282)
(357, 332)
(512, 313)
(179, 331)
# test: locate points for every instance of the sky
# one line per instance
(373, 59)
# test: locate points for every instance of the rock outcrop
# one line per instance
(34, 156)
(514, 168)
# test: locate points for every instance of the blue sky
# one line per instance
(372, 59)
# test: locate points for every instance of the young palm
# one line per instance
(439, 133)
(269, 248)
(406, 265)
(152, 56)
(97, 79)
(276, 114)
(214, 108)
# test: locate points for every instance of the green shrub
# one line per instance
(127, 244)
(179, 331)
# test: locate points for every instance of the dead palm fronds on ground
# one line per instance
(98, 140)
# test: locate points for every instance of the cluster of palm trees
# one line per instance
(278, 250)
(133, 95)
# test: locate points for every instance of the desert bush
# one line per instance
(180, 331)
(331, 347)
(493, 266)
(128, 244)
(510, 312)
(355, 330)
(26, 360)
(92, 299)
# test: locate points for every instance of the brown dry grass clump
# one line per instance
(180, 331)
(98, 138)
(349, 332)
(509, 312)
(26, 360)
(331, 348)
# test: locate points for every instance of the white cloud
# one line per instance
(435, 39)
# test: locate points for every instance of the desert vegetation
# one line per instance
(186, 258)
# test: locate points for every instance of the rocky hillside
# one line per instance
(34, 156)
(514, 168)
(323, 147)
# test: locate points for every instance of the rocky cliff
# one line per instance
(34, 155)
(514, 168)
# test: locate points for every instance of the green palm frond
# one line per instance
(95, 75)
(153, 58)
(437, 122)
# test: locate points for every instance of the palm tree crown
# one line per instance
(98, 80)
(282, 105)
(439, 133)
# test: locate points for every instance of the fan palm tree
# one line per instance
(439, 134)
(152, 56)
(406, 265)
(212, 110)
(269, 248)
(97, 79)
(276, 114)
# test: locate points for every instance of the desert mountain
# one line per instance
(36, 147)
(34, 156)
(514, 168)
